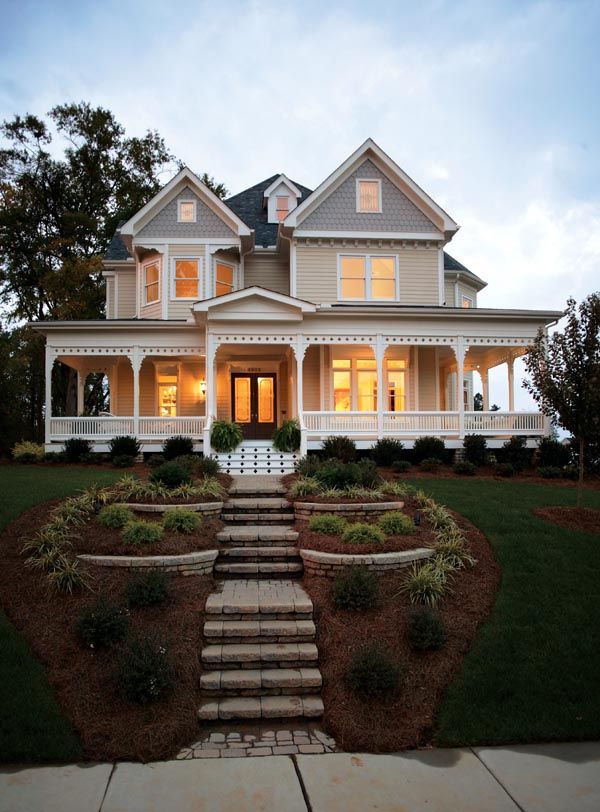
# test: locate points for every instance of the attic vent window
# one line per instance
(186, 211)
(283, 207)
(368, 196)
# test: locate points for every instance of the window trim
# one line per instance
(368, 277)
(195, 210)
(236, 276)
(158, 366)
(173, 286)
(353, 371)
(379, 195)
(464, 296)
(145, 266)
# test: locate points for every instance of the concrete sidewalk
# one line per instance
(533, 778)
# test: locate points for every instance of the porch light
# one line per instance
(203, 388)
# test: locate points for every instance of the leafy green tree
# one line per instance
(218, 188)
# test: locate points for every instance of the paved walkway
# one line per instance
(534, 778)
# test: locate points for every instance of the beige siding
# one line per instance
(123, 403)
(268, 271)
(450, 293)
(311, 380)
(183, 309)
(190, 403)
(427, 373)
(126, 294)
(147, 389)
(223, 392)
(110, 298)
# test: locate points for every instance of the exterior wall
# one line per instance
(311, 380)
(190, 403)
(451, 293)
(182, 308)
(426, 378)
(338, 211)
(164, 223)
(125, 284)
(268, 270)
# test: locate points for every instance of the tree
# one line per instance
(478, 403)
(218, 188)
(564, 371)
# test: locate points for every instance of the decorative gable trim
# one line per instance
(282, 179)
(248, 293)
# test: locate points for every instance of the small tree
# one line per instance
(564, 371)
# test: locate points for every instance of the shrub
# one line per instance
(401, 466)
(155, 460)
(170, 474)
(123, 447)
(504, 469)
(335, 474)
(76, 449)
(115, 516)
(465, 468)
(339, 448)
(287, 436)
(206, 466)
(552, 454)
(475, 446)
(450, 549)
(428, 448)
(140, 532)
(425, 583)
(68, 577)
(385, 451)
(225, 436)
(123, 461)
(396, 488)
(54, 456)
(177, 446)
(374, 671)
(571, 472)
(182, 521)
(550, 472)
(396, 523)
(327, 523)
(28, 452)
(304, 486)
(439, 517)
(355, 588)
(430, 464)
(147, 588)
(309, 465)
(426, 630)
(204, 488)
(144, 672)
(100, 624)
(363, 533)
(515, 452)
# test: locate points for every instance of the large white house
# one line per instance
(338, 306)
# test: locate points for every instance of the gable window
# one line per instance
(283, 207)
(186, 278)
(186, 211)
(368, 278)
(151, 283)
(225, 276)
(466, 301)
(368, 196)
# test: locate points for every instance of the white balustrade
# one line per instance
(424, 423)
(170, 426)
(504, 423)
(103, 428)
(340, 422)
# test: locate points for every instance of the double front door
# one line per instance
(254, 404)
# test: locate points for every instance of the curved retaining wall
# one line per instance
(329, 564)
(207, 508)
(357, 510)
(200, 563)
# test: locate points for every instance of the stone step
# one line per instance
(259, 518)
(252, 553)
(254, 599)
(263, 707)
(249, 655)
(260, 569)
(253, 489)
(239, 504)
(255, 533)
(261, 681)
(259, 631)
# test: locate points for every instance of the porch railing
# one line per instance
(340, 422)
(169, 426)
(504, 423)
(420, 423)
(104, 428)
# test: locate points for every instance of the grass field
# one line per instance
(32, 727)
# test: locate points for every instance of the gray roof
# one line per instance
(117, 250)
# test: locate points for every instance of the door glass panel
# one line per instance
(242, 412)
(396, 391)
(167, 400)
(341, 390)
(265, 400)
(367, 390)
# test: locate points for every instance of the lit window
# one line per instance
(355, 382)
(368, 278)
(366, 385)
(283, 207)
(467, 302)
(383, 278)
(186, 211)
(396, 385)
(341, 385)
(224, 279)
(368, 196)
(151, 286)
(167, 391)
(353, 274)
(187, 279)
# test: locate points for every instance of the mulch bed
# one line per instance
(591, 481)
(110, 727)
(571, 518)
(405, 719)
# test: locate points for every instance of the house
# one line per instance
(338, 306)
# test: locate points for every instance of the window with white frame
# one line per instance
(282, 207)
(186, 211)
(355, 384)
(368, 196)
(151, 279)
(466, 301)
(367, 277)
(186, 278)
(225, 278)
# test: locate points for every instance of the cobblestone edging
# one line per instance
(357, 510)
(207, 508)
(258, 741)
(200, 563)
(329, 564)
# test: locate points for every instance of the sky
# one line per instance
(492, 107)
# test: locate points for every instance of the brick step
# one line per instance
(259, 631)
(261, 681)
(264, 707)
(259, 553)
(256, 533)
(271, 655)
(246, 489)
(262, 569)
(243, 503)
(253, 599)
(258, 518)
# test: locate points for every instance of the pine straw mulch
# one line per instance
(405, 719)
(110, 727)
(584, 519)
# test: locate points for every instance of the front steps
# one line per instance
(252, 510)
(257, 457)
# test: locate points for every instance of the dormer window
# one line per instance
(186, 211)
(280, 198)
(283, 207)
(368, 196)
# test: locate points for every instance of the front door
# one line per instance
(254, 404)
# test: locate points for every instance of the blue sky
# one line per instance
(492, 107)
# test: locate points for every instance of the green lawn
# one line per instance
(32, 727)
(532, 674)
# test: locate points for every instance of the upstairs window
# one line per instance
(186, 279)
(186, 211)
(466, 301)
(224, 278)
(368, 278)
(151, 283)
(282, 207)
(368, 196)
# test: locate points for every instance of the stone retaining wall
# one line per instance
(200, 563)
(329, 564)
(206, 508)
(357, 510)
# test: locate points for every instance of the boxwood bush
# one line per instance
(339, 448)
(123, 446)
(177, 446)
(77, 449)
(552, 454)
(363, 533)
(335, 474)
(428, 448)
(144, 672)
(401, 466)
(386, 451)
(426, 630)
(171, 475)
(374, 671)
(475, 446)
(140, 532)
(431, 464)
(101, 624)
(515, 452)
(355, 588)
(115, 516)
(396, 523)
(504, 469)
(327, 523)
(181, 520)
(464, 468)
(147, 588)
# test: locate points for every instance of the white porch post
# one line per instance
(80, 391)
(485, 386)
(136, 362)
(211, 391)
(511, 383)
(379, 349)
(460, 375)
(48, 380)
(299, 350)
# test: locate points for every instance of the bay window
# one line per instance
(186, 278)
(367, 277)
(225, 276)
(151, 277)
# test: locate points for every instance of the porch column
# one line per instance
(511, 383)
(136, 359)
(81, 377)
(460, 375)
(485, 386)
(379, 349)
(299, 350)
(211, 391)
(49, 366)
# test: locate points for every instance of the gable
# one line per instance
(164, 223)
(338, 212)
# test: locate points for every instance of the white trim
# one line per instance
(379, 196)
(287, 182)
(441, 277)
(417, 382)
(368, 278)
(234, 241)
(234, 277)
(423, 236)
(165, 282)
(255, 290)
(144, 265)
(191, 202)
(172, 271)
(322, 376)
(437, 378)
(293, 269)
(469, 298)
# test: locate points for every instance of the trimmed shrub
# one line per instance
(123, 461)
(374, 671)
(304, 486)
(181, 520)
(147, 588)
(155, 460)
(101, 624)
(177, 446)
(430, 464)
(504, 469)
(363, 533)
(76, 449)
(327, 523)
(428, 448)
(355, 588)
(425, 583)
(287, 436)
(396, 523)
(225, 436)
(552, 454)
(385, 451)
(550, 472)
(571, 472)
(205, 466)
(426, 630)
(465, 468)
(144, 672)
(28, 452)
(401, 466)
(140, 532)
(515, 452)
(171, 475)
(339, 448)
(124, 446)
(336, 474)
(475, 446)
(115, 516)
(309, 465)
